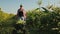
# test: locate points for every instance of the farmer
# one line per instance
(21, 13)
(21, 16)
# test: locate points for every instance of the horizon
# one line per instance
(11, 6)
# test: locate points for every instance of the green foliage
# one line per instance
(43, 22)
(6, 22)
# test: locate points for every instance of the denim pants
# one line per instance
(22, 18)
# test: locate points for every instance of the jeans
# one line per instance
(21, 18)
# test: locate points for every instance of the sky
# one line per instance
(11, 6)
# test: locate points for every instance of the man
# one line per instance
(21, 14)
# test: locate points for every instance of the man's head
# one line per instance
(21, 5)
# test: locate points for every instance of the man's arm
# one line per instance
(24, 14)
